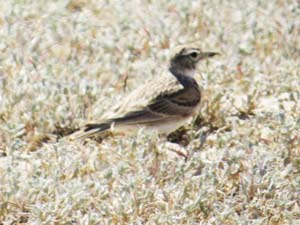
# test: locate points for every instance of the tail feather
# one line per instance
(97, 126)
(90, 130)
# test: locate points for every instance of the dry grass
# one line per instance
(64, 62)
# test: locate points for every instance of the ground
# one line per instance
(63, 63)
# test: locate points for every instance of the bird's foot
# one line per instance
(177, 149)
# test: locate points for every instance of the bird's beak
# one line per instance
(208, 54)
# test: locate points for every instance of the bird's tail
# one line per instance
(89, 130)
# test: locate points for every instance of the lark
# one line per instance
(163, 104)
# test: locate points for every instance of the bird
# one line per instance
(162, 104)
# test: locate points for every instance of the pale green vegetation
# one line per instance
(65, 62)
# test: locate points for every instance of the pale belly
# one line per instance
(162, 128)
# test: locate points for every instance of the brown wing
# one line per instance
(141, 97)
(181, 103)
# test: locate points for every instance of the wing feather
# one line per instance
(178, 103)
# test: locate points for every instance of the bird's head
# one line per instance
(186, 59)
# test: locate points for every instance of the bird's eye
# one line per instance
(194, 55)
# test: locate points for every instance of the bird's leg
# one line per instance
(173, 148)
(178, 149)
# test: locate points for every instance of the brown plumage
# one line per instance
(163, 104)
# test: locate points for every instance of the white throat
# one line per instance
(189, 73)
(183, 72)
